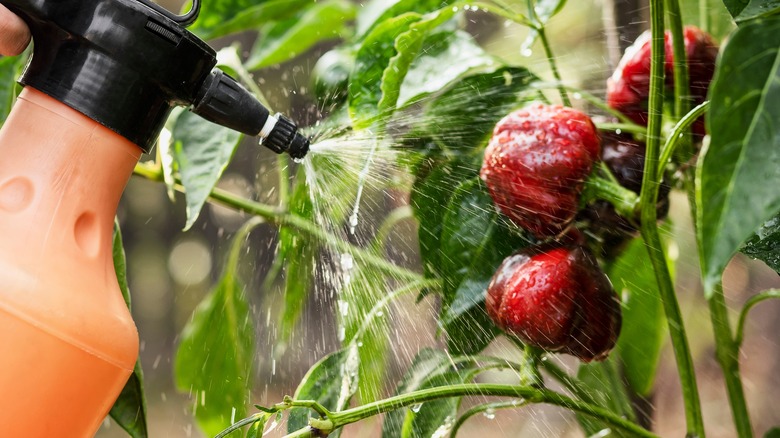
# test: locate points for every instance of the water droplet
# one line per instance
(489, 413)
(577, 96)
(298, 160)
(347, 262)
(618, 131)
(527, 52)
(343, 307)
(416, 408)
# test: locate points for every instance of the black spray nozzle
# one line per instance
(127, 63)
(224, 101)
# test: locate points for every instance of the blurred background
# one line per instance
(171, 271)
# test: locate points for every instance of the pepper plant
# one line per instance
(407, 84)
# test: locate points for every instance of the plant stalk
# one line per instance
(553, 65)
(649, 229)
(528, 394)
(727, 353)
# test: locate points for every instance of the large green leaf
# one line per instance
(463, 117)
(757, 8)
(475, 243)
(289, 38)
(430, 196)
(215, 356)
(202, 151)
(10, 68)
(332, 382)
(455, 49)
(218, 18)
(365, 86)
(129, 410)
(299, 253)
(431, 368)
(738, 174)
(764, 245)
(644, 324)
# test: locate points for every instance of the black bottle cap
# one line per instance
(120, 62)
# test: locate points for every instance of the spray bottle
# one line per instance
(104, 76)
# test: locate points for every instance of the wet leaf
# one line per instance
(129, 410)
(764, 245)
(289, 38)
(475, 243)
(755, 9)
(258, 427)
(462, 118)
(218, 18)
(735, 7)
(214, 359)
(430, 369)
(10, 69)
(455, 49)
(738, 174)
(603, 382)
(373, 57)
(362, 290)
(299, 252)
(644, 324)
(377, 11)
(429, 199)
(202, 151)
(332, 382)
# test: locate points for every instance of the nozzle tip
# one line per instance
(281, 135)
(299, 146)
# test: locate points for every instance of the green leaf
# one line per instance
(544, 10)
(202, 150)
(463, 117)
(602, 381)
(129, 410)
(430, 369)
(431, 193)
(219, 18)
(299, 252)
(258, 427)
(764, 245)
(373, 57)
(332, 382)
(455, 49)
(738, 174)
(10, 69)
(377, 11)
(758, 8)
(475, 243)
(289, 38)
(363, 288)
(642, 334)
(215, 356)
(735, 7)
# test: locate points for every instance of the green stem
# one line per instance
(283, 169)
(677, 135)
(649, 229)
(772, 293)
(622, 127)
(624, 200)
(281, 217)
(704, 15)
(504, 13)
(682, 94)
(571, 383)
(531, 395)
(727, 353)
(397, 215)
(553, 65)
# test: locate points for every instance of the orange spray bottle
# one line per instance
(103, 78)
